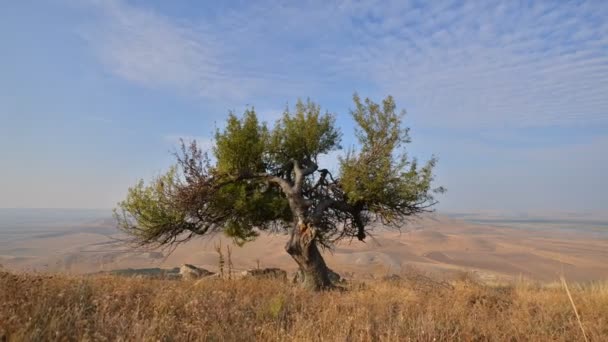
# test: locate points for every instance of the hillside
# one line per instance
(436, 244)
(417, 308)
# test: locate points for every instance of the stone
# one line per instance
(188, 271)
(334, 277)
(203, 280)
(275, 273)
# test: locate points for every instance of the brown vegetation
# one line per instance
(57, 307)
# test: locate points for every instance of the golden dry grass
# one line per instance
(44, 307)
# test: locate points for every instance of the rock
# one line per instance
(153, 272)
(334, 277)
(188, 271)
(172, 276)
(203, 280)
(275, 273)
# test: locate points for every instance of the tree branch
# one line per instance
(330, 203)
(302, 173)
(282, 183)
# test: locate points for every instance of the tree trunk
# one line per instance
(302, 247)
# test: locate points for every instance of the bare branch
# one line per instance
(301, 173)
(282, 183)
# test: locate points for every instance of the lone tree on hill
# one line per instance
(267, 179)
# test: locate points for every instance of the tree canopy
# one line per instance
(260, 178)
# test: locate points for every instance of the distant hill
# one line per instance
(496, 250)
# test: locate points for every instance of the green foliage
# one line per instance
(380, 177)
(303, 135)
(250, 205)
(239, 149)
(252, 184)
(150, 214)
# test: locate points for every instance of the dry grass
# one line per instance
(39, 307)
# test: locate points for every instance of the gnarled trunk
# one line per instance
(302, 247)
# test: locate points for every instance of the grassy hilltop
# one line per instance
(417, 308)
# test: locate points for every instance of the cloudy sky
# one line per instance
(511, 96)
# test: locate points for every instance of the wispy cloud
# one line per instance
(153, 50)
(451, 63)
(496, 63)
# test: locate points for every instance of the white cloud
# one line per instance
(150, 49)
(490, 64)
(450, 64)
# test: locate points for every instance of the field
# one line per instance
(470, 278)
(415, 308)
(77, 242)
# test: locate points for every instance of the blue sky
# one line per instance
(511, 96)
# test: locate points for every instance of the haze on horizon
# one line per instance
(511, 96)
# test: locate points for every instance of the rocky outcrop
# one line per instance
(154, 272)
(334, 277)
(274, 273)
(207, 279)
(188, 271)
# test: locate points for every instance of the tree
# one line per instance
(262, 179)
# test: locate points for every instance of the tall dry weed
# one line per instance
(53, 307)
